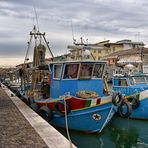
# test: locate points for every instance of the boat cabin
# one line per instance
(74, 76)
(130, 84)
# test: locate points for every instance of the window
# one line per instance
(140, 80)
(71, 71)
(131, 81)
(123, 82)
(98, 70)
(146, 78)
(57, 71)
(86, 71)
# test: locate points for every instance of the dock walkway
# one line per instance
(22, 127)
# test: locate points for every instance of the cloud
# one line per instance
(92, 19)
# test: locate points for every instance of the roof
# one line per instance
(78, 61)
(126, 41)
(84, 47)
(128, 52)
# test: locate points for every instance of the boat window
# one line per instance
(146, 78)
(71, 71)
(140, 80)
(57, 71)
(123, 82)
(131, 80)
(86, 70)
(98, 71)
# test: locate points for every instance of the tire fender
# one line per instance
(34, 106)
(125, 109)
(135, 102)
(59, 108)
(45, 113)
(117, 99)
(30, 101)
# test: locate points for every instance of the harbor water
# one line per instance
(120, 133)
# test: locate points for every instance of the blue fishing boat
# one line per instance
(134, 88)
(69, 94)
(77, 92)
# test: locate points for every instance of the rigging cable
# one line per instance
(29, 43)
(36, 16)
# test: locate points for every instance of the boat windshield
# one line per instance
(123, 82)
(98, 71)
(71, 71)
(86, 71)
(140, 80)
(146, 78)
(83, 70)
(57, 71)
(131, 80)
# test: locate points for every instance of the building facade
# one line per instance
(101, 49)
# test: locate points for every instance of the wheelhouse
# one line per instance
(130, 81)
(130, 84)
(76, 76)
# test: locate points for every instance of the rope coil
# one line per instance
(87, 94)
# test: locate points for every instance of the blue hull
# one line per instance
(87, 120)
(142, 111)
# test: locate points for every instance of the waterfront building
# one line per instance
(101, 49)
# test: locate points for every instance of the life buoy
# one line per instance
(135, 102)
(87, 94)
(117, 98)
(125, 109)
(59, 108)
(45, 113)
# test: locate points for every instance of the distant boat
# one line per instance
(134, 88)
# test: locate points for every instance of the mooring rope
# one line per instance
(107, 118)
(66, 122)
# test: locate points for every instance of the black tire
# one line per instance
(59, 108)
(30, 101)
(128, 109)
(34, 106)
(18, 94)
(135, 102)
(117, 99)
(45, 113)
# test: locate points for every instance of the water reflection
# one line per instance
(123, 137)
(120, 133)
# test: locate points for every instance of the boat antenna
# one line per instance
(36, 16)
(74, 40)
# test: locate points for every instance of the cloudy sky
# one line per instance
(95, 20)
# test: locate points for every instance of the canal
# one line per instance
(120, 133)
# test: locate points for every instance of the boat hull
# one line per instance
(142, 111)
(88, 120)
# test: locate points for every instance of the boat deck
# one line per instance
(22, 127)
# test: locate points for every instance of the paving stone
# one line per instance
(15, 130)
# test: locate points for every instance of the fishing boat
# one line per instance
(134, 88)
(70, 94)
